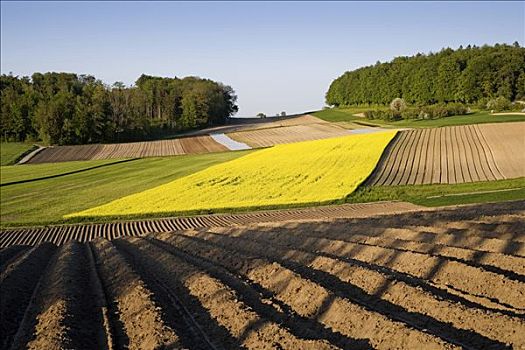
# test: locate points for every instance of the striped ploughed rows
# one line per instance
(188, 145)
(450, 155)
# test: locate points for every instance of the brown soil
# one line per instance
(452, 155)
(188, 145)
(507, 142)
(442, 278)
(287, 134)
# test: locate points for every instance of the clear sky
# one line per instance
(278, 56)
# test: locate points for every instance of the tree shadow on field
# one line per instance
(299, 264)
(176, 298)
(261, 300)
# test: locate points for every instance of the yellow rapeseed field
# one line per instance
(297, 173)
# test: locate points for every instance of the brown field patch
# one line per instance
(188, 145)
(452, 155)
(444, 278)
(288, 134)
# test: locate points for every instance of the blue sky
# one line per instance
(278, 56)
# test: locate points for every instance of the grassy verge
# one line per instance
(46, 201)
(438, 195)
(479, 117)
(11, 152)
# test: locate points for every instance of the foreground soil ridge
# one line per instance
(338, 283)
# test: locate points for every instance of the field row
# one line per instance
(83, 233)
(452, 155)
(187, 145)
(344, 284)
(288, 134)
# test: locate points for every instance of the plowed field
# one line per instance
(188, 145)
(84, 233)
(288, 134)
(452, 155)
(437, 279)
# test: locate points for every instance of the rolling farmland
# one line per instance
(452, 155)
(265, 137)
(299, 173)
(309, 285)
(187, 145)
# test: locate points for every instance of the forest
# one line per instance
(471, 75)
(66, 108)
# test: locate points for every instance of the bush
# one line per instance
(410, 113)
(397, 106)
(424, 112)
(380, 114)
(498, 104)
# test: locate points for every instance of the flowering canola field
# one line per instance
(297, 173)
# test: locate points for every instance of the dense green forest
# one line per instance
(470, 75)
(66, 108)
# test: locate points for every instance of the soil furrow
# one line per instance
(487, 152)
(312, 300)
(409, 160)
(201, 330)
(510, 266)
(471, 328)
(223, 304)
(385, 165)
(137, 319)
(417, 169)
(263, 302)
(17, 283)
(428, 170)
(471, 281)
(473, 164)
(9, 254)
(396, 165)
(65, 311)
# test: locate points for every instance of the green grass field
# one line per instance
(33, 172)
(47, 200)
(11, 151)
(479, 117)
(444, 194)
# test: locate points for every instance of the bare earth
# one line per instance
(454, 154)
(187, 145)
(288, 134)
(435, 279)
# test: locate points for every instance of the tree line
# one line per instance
(66, 108)
(467, 75)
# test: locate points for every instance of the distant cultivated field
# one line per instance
(188, 145)
(288, 134)
(292, 174)
(450, 155)
(441, 279)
